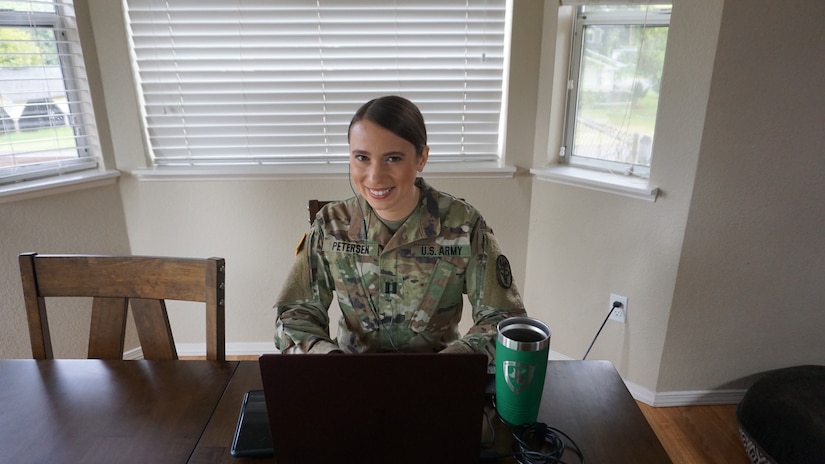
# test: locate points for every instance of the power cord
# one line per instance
(616, 304)
(524, 435)
(535, 443)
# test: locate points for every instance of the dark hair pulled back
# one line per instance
(396, 114)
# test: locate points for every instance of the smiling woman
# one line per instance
(383, 166)
(399, 255)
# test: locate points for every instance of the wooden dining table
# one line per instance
(95, 411)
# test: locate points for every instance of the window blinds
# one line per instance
(269, 82)
(46, 120)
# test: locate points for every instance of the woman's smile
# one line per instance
(379, 193)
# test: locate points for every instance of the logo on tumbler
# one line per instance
(518, 375)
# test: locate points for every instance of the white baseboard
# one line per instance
(673, 398)
(199, 349)
(695, 398)
(133, 355)
(232, 349)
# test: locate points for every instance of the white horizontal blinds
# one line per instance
(44, 98)
(267, 82)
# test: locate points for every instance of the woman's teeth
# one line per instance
(379, 193)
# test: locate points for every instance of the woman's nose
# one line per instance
(376, 171)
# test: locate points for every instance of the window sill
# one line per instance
(57, 184)
(617, 184)
(310, 172)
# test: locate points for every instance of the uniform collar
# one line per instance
(423, 223)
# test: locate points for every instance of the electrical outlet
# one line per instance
(620, 313)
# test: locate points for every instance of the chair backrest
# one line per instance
(313, 206)
(115, 282)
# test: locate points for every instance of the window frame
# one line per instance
(581, 20)
(54, 176)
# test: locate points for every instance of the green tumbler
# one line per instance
(522, 346)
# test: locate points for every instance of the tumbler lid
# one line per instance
(523, 334)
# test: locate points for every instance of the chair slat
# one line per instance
(160, 278)
(107, 331)
(154, 330)
(41, 340)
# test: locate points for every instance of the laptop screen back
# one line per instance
(375, 408)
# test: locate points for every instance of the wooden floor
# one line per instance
(698, 434)
(689, 434)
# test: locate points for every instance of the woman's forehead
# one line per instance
(366, 136)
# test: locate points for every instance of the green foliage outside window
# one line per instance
(27, 47)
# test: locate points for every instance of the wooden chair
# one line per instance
(313, 207)
(115, 282)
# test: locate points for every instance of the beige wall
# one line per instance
(750, 285)
(721, 271)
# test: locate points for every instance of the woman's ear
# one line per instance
(422, 160)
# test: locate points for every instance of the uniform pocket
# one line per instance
(351, 284)
(440, 305)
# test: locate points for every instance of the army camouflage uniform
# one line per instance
(400, 291)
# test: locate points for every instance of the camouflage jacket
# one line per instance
(397, 291)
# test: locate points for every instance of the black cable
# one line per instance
(523, 435)
(549, 444)
(492, 428)
(616, 304)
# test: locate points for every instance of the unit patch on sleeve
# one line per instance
(301, 244)
(503, 273)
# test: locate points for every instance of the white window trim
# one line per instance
(312, 172)
(54, 185)
(628, 186)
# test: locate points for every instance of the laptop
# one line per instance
(366, 408)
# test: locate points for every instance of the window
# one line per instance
(616, 66)
(265, 82)
(45, 108)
